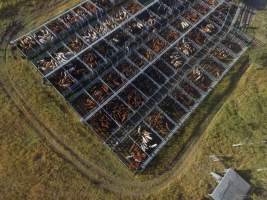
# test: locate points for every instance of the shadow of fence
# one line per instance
(256, 4)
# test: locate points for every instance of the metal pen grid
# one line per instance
(137, 70)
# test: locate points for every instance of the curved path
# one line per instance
(95, 173)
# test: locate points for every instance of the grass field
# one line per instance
(37, 127)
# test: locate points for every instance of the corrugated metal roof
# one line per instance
(231, 187)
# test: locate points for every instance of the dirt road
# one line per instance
(94, 173)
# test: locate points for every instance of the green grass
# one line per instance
(242, 119)
(235, 112)
(29, 169)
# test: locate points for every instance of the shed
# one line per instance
(231, 187)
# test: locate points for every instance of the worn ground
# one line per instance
(45, 153)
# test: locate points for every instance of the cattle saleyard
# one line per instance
(135, 70)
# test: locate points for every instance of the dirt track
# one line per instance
(94, 173)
